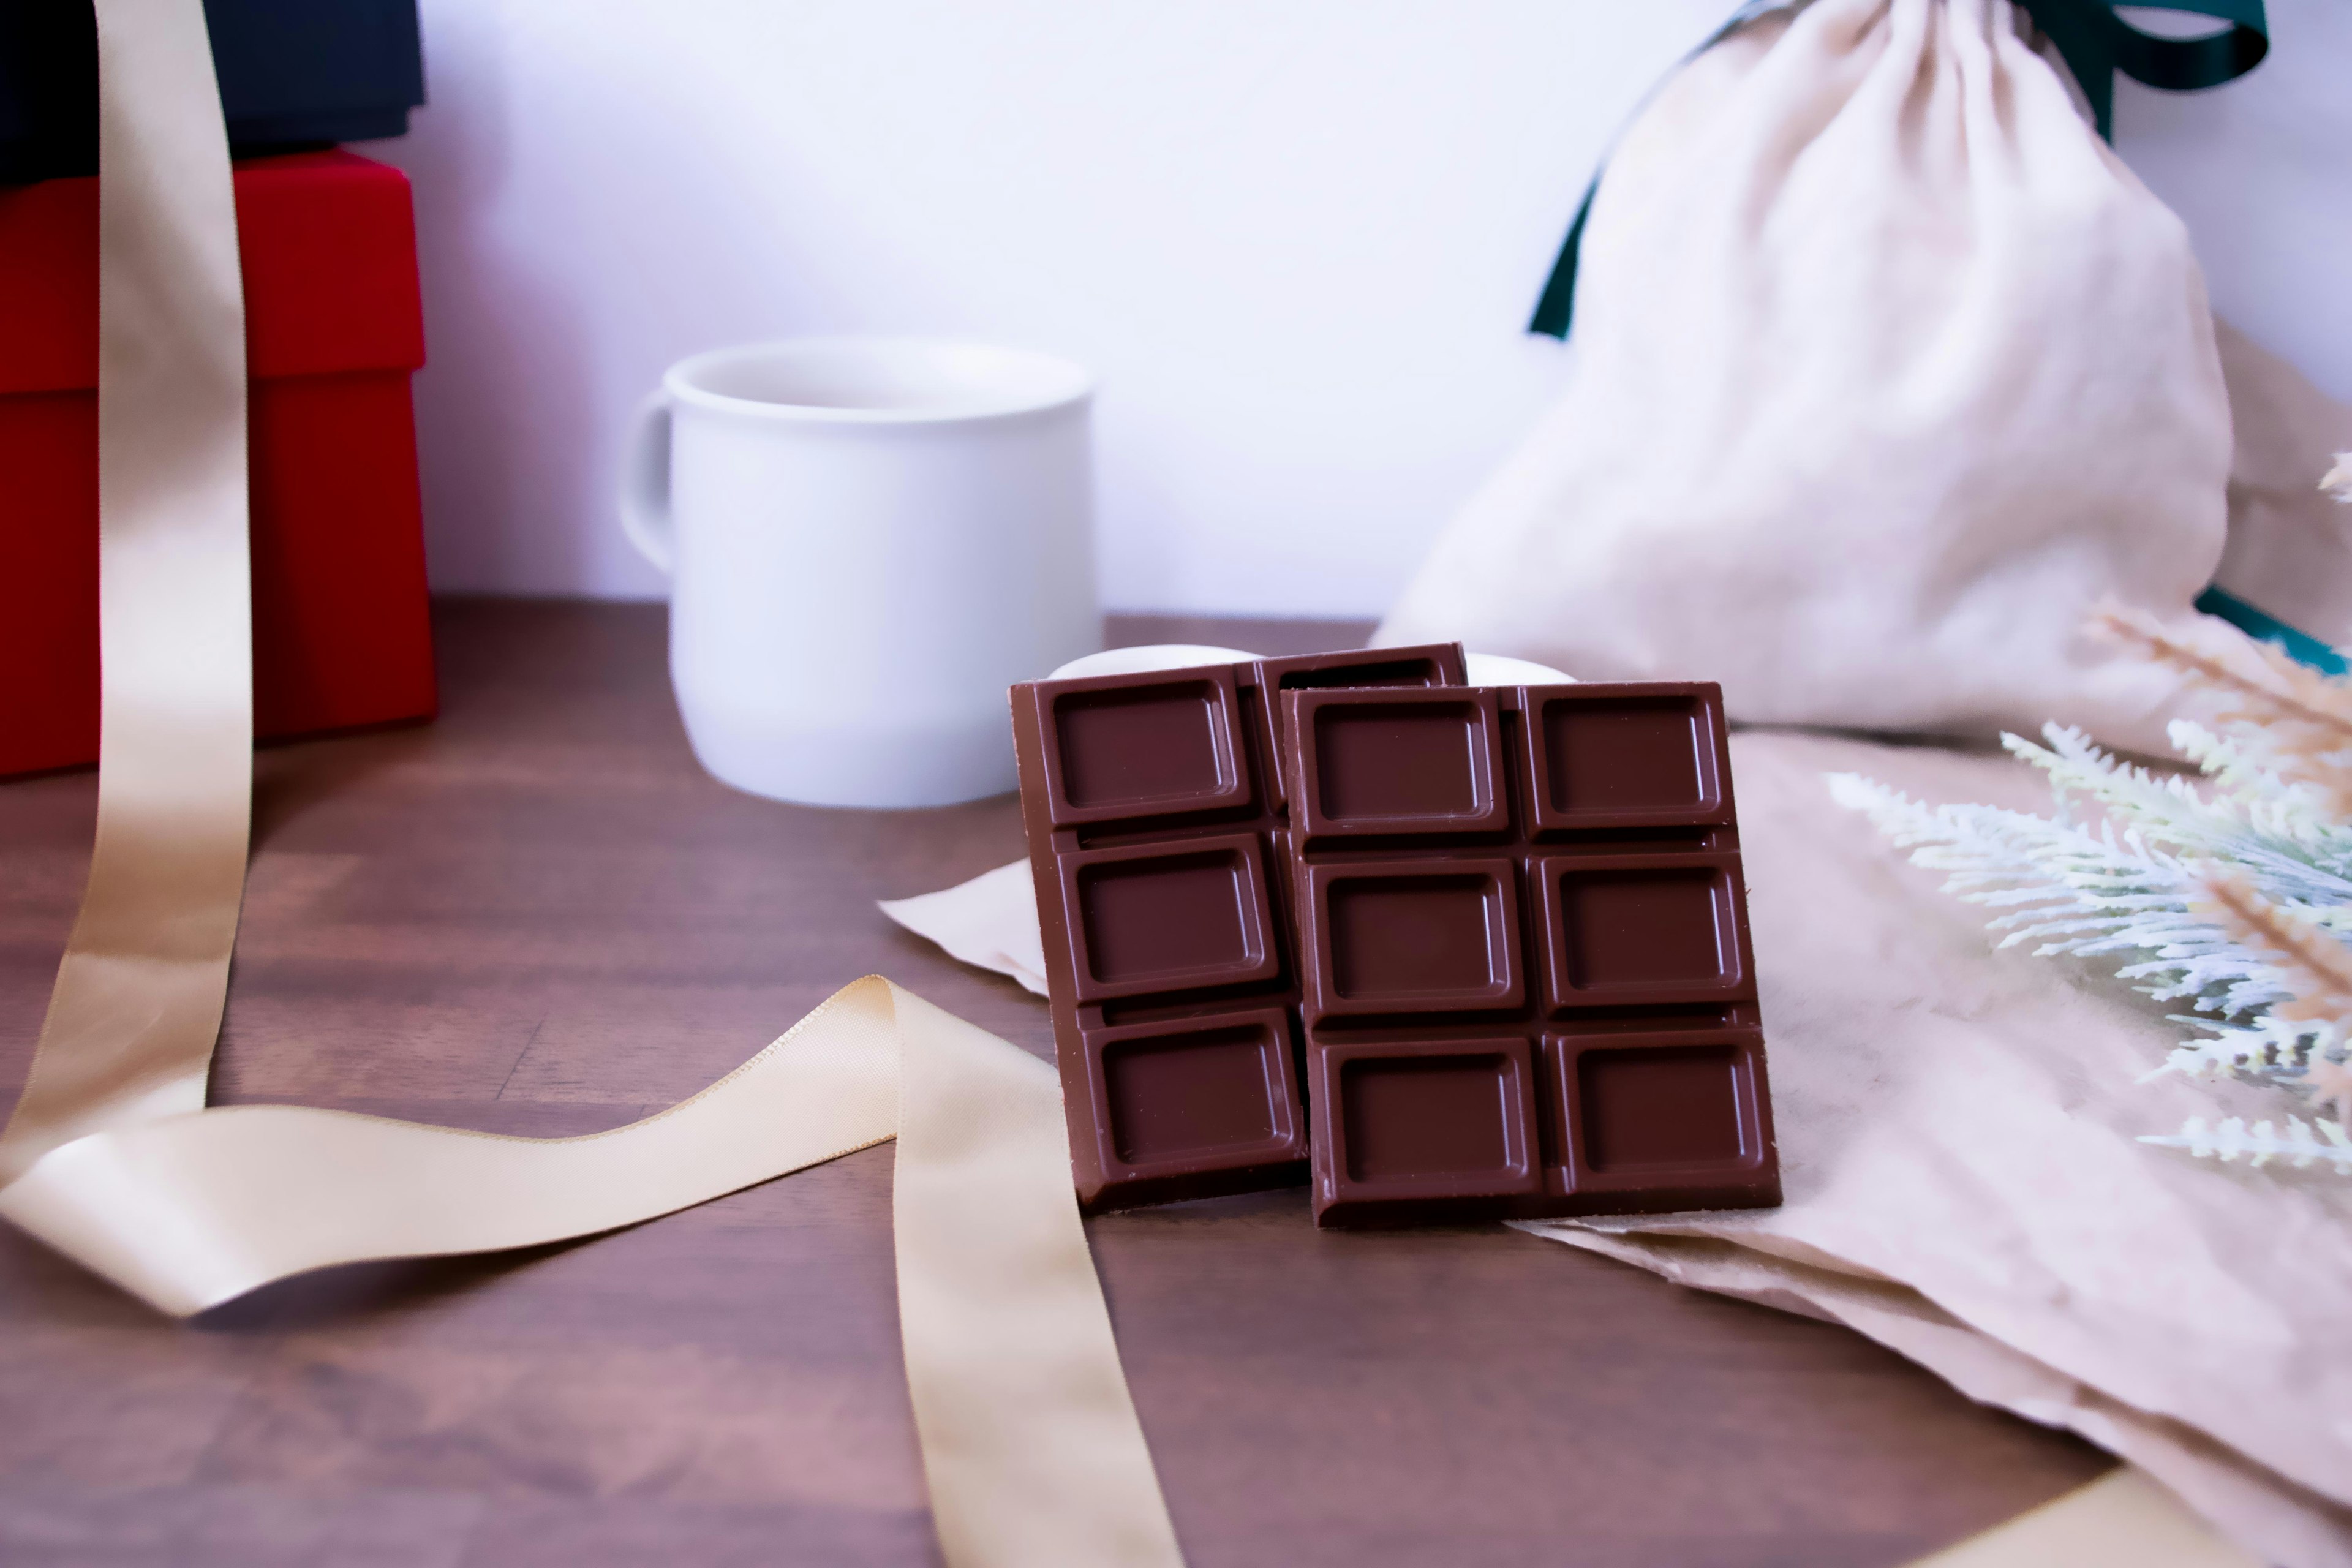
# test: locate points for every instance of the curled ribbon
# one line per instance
(1031, 1446)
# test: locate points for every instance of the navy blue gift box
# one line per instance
(293, 74)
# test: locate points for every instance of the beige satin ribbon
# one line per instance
(2123, 1519)
(131, 1026)
(1031, 1446)
(1030, 1443)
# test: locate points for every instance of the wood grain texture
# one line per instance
(538, 916)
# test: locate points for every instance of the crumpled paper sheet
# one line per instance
(1958, 1131)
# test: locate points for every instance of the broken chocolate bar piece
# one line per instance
(1158, 837)
(1527, 982)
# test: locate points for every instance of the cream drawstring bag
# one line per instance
(1887, 371)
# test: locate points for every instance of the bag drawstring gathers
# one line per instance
(2093, 39)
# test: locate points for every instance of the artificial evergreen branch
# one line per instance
(2306, 716)
(2230, 890)
(2300, 1145)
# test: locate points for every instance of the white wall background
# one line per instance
(1297, 238)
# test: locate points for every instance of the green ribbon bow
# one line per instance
(2096, 43)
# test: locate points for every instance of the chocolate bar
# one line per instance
(1157, 829)
(1526, 982)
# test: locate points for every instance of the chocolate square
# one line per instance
(1653, 1121)
(1625, 929)
(1607, 818)
(1419, 766)
(1144, 745)
(1192, 1106)
(1159, 917)
(1422, 1129)
(1437, 665)
(1641, 755)
(1401, 937)
(1159, 842)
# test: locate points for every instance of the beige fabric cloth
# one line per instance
(1886, 371)
(1958, 1131)
(1031, 1446)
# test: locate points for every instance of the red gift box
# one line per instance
(334, 328)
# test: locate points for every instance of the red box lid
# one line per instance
(327, 242)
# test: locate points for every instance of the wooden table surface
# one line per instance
(538, 916)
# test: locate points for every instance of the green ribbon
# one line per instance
(2096, 43)
(2263, 626)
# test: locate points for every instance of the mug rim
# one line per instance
(681, 382)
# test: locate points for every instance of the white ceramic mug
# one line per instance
(868, 540)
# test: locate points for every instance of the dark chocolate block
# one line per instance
(1527, 984)
(1159, 839)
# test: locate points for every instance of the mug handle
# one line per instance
(643, 498)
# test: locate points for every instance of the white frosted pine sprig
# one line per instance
(2230, 890)
(2078, 890)
(2268, 1047)
(2301, 1144)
